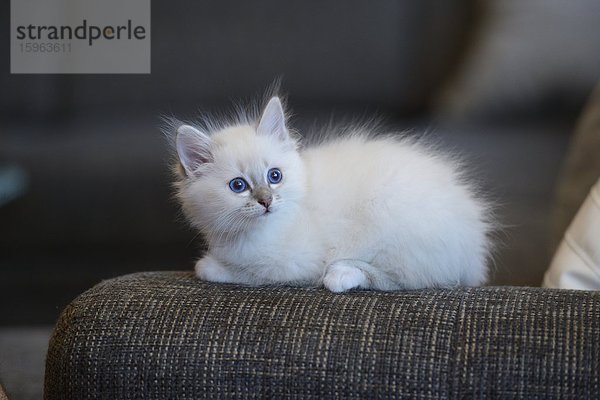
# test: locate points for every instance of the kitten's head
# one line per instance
(239, 177)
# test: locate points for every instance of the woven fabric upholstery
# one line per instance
(167, 335)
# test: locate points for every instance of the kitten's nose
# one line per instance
(265, 202)
(263, 197)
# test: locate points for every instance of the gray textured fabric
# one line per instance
(168, 335)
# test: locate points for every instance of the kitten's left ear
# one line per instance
(272, 121)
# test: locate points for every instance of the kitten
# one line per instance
(351, 212)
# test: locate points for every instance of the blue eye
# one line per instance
(274, 175)
(238, 185)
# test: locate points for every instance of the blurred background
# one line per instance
(84, 181)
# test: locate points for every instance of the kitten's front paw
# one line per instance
(209, 269)
(341, 277)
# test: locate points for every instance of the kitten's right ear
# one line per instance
(193, 148)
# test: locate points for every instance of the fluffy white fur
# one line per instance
(351, 212)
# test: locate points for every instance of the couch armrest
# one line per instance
(167, 335)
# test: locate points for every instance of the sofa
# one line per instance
(167, 335)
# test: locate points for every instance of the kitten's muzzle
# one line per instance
(263, 197)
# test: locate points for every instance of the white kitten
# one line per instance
(352, 212)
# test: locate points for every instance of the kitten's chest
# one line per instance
(283, 257)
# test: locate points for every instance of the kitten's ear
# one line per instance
(272, 121)
(193, 148)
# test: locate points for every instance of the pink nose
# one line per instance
(266, 202)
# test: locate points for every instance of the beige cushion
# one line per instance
(581, 168)
(576, 264)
